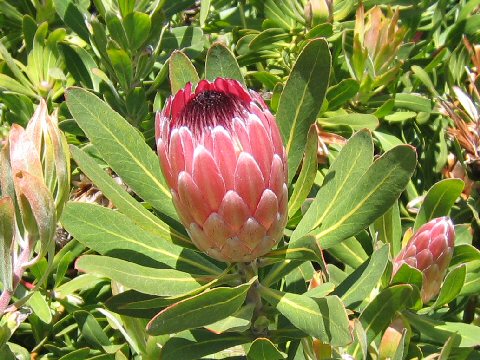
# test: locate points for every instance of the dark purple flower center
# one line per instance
(209, 109)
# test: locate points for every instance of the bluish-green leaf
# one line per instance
(220, 62)
(122, 147)
(161, 282)
(306, 177)
(439, 200)
(358, 285)
(351, 163)
(181, 71)
(199, 310)
(325, 318)
(302, 99)
(111, 233)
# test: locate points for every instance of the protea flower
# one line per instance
(222, 155)
(429, 250)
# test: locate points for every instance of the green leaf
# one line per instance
(340, 93)
(387, 141)
(408, 275)
(372, 195)
(122, 64)
(439, 200)
(192, 345)
(351, 163)
(306, 177)
(199, 310)
(72, 17)
(267, 38)
(111, 233)
(464, 253)
(263, 348)
(422, 75)
(452, 285)
(91, 329)
(184, 38)
(204, 9)
(302, 99)
(137, 29)
(161, 282)
(378, 315)
(325, 318)
(350, 252)
(9, 84)
(439, 331)
(220, 63)
(354, 120)
(181, 71)
(78, 283)
(238, 322)
(122, 200)
(40, 307)
(122, 147)
(413, 102)
(7, 233)
(79, 64)
(359, 284)
(388, 228)
(400, 116)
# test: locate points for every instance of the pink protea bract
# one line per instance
(223, 158)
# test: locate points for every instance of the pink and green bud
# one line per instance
(223, 158)
(52, 149)
(429, 250)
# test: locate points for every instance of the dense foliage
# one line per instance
(378, 105)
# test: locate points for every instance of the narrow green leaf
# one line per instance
(204, 9)
(238, 322)
(91, 329)
(350, 252)
(373, 194)
(388, 228)
(359, 284)
(7, 232)
(325, 318)
(408, 275)
(351, 163)
(199, 310)
(342, 92)
(122, 147)
(195, 344)
(306, 178)
(78, 283)
(72, 17)
(161, 282)
(464, 253)
(221, 63)
(376, 317)
(414, 102)
(123, 66)
(354, 120)
(452, 285)
(9, 84)
(40, 307)
(137, 29)
(181, 71)
(302, 99)
(111, 233)
(263, 348)
(439, 200)
(439, 331)
(122, 200)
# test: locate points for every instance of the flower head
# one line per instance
(223, 158)
(429, 250)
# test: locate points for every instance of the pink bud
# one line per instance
(429, 250)
(222, 155)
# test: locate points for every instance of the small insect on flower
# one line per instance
(429, 250)
(223, 158)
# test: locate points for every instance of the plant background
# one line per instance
(132, 55)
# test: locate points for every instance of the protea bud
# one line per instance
(222, 155)
(429, 250)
